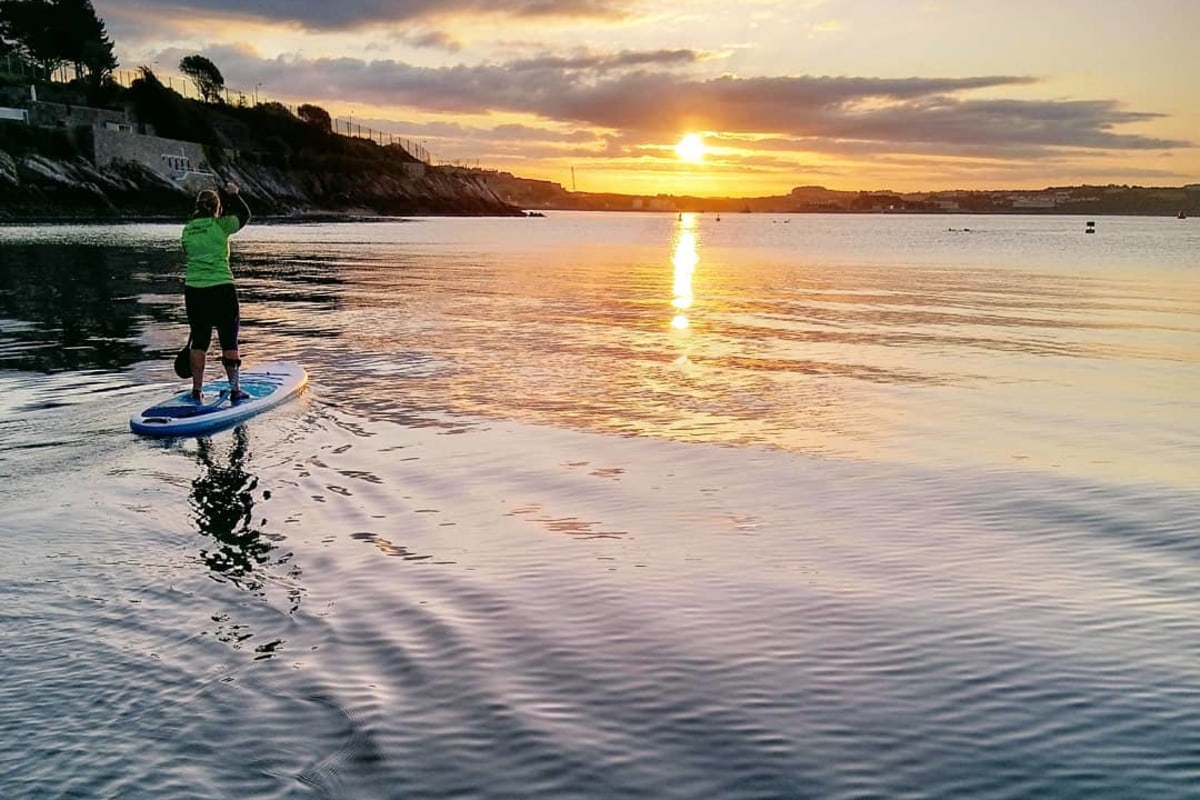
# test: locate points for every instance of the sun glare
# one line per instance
(691, 148)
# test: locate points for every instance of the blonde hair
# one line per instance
(208, 203)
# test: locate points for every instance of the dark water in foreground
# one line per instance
(612, 506)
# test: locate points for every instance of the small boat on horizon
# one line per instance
(1181, 215)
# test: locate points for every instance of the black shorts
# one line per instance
(213, 306)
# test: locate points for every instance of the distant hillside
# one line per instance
(1159, 201)
(62, 163)
(66, 162)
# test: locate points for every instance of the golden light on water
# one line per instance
(685, 258)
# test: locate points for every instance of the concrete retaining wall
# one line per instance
(59, 115)
(171, 158)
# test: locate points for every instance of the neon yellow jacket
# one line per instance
(206, 245)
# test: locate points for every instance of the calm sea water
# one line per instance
(600, 506)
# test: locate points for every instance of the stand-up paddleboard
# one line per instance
(267, 384)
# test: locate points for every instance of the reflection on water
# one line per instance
(241, 553)
(67, 306)
(685, 260)
(503, 609)
(880, 338)
(98, 303)
(223, 502)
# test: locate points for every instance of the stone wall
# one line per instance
(170, 158)
(60, 115)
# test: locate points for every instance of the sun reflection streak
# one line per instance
(685, 259)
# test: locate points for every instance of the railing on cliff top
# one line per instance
(238, 97)
(15, 65)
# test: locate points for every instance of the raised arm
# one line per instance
(235, 204)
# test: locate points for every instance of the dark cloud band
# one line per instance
(619, 92)
(348, 14)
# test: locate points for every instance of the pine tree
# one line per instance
(56, 32)
(84, 39)
(31, 29)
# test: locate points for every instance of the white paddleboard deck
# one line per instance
(179, 415)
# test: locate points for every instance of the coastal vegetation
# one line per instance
(204, 73)
(58, 98)
(53, 33)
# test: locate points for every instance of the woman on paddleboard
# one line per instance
(208, 290)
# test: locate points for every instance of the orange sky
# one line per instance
(848, 94)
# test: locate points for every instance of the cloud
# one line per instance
(435, 40)
(617, 92)
(604, 62)
(329, 15)
(829, 26)
(628, 105)
(525, 133)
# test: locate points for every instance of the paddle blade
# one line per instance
(183, 362)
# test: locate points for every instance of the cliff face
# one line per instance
(427, 191)
(36, 186)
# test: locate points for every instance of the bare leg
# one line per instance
(197, 359)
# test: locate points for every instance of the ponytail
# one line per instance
(208, 203)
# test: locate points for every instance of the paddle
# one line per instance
(183, 360)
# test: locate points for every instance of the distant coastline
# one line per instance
(1059, 200)
(66, 162)
(171, 219)
(72, 154)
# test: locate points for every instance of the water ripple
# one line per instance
(832, 515)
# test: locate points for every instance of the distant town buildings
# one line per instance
(541, 194)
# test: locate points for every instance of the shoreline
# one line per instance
(308, 218)
(319, 217)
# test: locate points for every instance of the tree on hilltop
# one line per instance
(170, 114)
(275, 108)
(204, 73)
(316, 116)
(30, 30)
(55, 32)
(83, 39)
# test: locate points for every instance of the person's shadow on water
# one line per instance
(222, 499)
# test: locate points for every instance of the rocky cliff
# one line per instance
(40, 186)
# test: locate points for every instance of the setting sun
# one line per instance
(691, 148)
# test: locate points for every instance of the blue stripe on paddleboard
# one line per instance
(268, 385)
